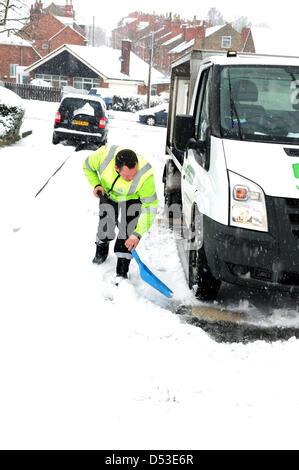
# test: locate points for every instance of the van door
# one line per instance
(196, 161)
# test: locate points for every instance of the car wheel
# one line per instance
(150, 121)
(55, 139)
(201, 279)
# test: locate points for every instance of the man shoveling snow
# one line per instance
(124, 183)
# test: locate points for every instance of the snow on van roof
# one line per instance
(253, 59)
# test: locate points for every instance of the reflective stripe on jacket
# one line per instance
(99, 168)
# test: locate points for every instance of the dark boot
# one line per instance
(101, 253)
(122, 267)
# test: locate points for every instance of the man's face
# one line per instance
(128, 174)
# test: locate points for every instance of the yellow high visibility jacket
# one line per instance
(99, 169)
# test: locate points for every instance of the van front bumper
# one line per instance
(258, 259)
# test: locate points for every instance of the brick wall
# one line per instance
(44, 28)
(11, 54)
(67, 36)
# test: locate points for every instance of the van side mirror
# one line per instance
(183, 131)
(197, 145)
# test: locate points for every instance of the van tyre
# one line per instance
(172, 193)
(205, 285)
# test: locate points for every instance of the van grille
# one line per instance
(292, 210)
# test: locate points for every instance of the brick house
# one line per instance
(15, 52)
(51, 27)
(226, 37)
(172, 37)
(84, 67)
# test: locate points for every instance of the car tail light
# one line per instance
(58, 117)
(102, 122)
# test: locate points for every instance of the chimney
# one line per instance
(68, 9)
(125, 54)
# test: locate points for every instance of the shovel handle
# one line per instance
(135, 255)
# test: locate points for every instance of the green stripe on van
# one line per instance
(296, 170)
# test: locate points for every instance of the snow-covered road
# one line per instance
(86, 365)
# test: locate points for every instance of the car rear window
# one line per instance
(76, 106)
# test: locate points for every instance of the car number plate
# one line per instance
(81, 123)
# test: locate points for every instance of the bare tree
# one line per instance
(240, 23)
(214, 17)
(96, 35)
(14, 14)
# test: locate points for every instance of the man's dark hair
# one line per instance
(126, 157)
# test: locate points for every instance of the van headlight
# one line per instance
(247, 204)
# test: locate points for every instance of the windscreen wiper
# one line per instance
(233, 109)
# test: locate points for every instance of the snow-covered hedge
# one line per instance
(11, 116)
(135, 103)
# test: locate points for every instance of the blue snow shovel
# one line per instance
(150, 278)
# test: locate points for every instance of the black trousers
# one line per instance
(123, 215)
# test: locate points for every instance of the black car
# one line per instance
(81, 118)
(155, 116)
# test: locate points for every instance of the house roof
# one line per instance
(13, 40)
(65, 27)
(182, 47)
(170, 41)
(55, 10)
(213, 29)
(142, 25)
(105, 61)
(10, 39)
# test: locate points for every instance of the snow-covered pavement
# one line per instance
(86, 365)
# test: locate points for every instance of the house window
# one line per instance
(13, 70)
(226, 42)
(45, 46)
(84, 83)
(57, 81)
(154, 90)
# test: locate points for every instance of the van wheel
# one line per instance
(205, 285)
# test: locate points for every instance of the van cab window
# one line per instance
(202, 119)
(202, 107)
(260, 103)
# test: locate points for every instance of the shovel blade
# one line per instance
(150, 278)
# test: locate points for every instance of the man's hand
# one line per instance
(96, 189)
(132, 242)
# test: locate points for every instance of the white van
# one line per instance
(237, 152)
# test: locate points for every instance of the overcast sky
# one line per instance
(108, 13)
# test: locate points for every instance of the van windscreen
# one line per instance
(260, 103)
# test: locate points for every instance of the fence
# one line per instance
(31, 92)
